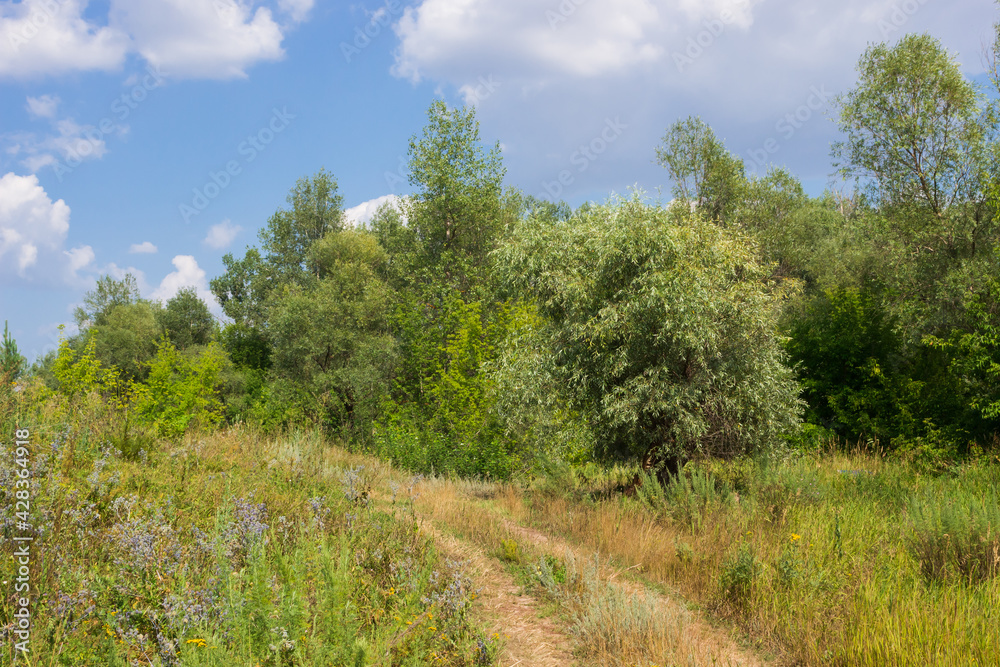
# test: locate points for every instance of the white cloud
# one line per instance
(298, 10)
(567, 68)
(43, 107)
(39, 37)
(215, 39)
(144, 248)
(33, 232)
(198, 38)
(222, 234)
(187, 274)
(362, 214)
(519, 37)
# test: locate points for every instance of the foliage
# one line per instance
(106, 295)
(332, 341)
(456, 212)
(662, 327)
(12, 363)
(181, 390)
(703, 171)
(187, 320)
(126, 338)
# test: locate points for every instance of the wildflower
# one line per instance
(796, 537)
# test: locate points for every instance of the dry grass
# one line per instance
(616, 621)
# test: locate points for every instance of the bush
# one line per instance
(661, 328)
(739, 575)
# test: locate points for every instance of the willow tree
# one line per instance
(662, 328)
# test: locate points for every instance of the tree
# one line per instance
(921, 140)
(12, 364)
(662, 327)
(316, 209)
(702, 170)
(332, 347)
(916, 131)
(127, 337)
(187, 320)
(106, 295)
(457, 209)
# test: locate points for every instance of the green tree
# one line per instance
(662, 327)
(187, 320)
(107, 294)
(457, 210)
(126, 338)
(315, 209)
(917, 134)
(702, 170)
(181, 391)
(332, 348)
(12, 363)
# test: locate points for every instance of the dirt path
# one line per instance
(534, 640)
(707, 643)
(529, 639)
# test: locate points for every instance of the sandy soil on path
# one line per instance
(528, 638)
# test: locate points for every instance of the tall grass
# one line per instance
(227, 550)
(833, 558)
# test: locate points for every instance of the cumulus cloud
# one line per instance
(362, 214)
(187, 273)
(43, 106)
(33, 232)
(41, 37)
(215, 39)
(571, 66)
(222, 234)
(195, 38)
(144, 248)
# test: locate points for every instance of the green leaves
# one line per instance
(661, 326)
(916, 128)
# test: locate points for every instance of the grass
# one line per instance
(843, 559)
(231, 549)
(612, 622)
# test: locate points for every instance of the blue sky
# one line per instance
(153, 136)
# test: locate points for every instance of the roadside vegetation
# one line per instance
(773, 411)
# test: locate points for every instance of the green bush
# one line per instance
(739, 575)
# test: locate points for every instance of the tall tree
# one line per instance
(702, 170)
(187, 320)
(457, 209)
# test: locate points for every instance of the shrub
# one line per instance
(739, 575)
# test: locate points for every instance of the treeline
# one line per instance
(475, 330)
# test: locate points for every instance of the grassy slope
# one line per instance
(231, 550)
